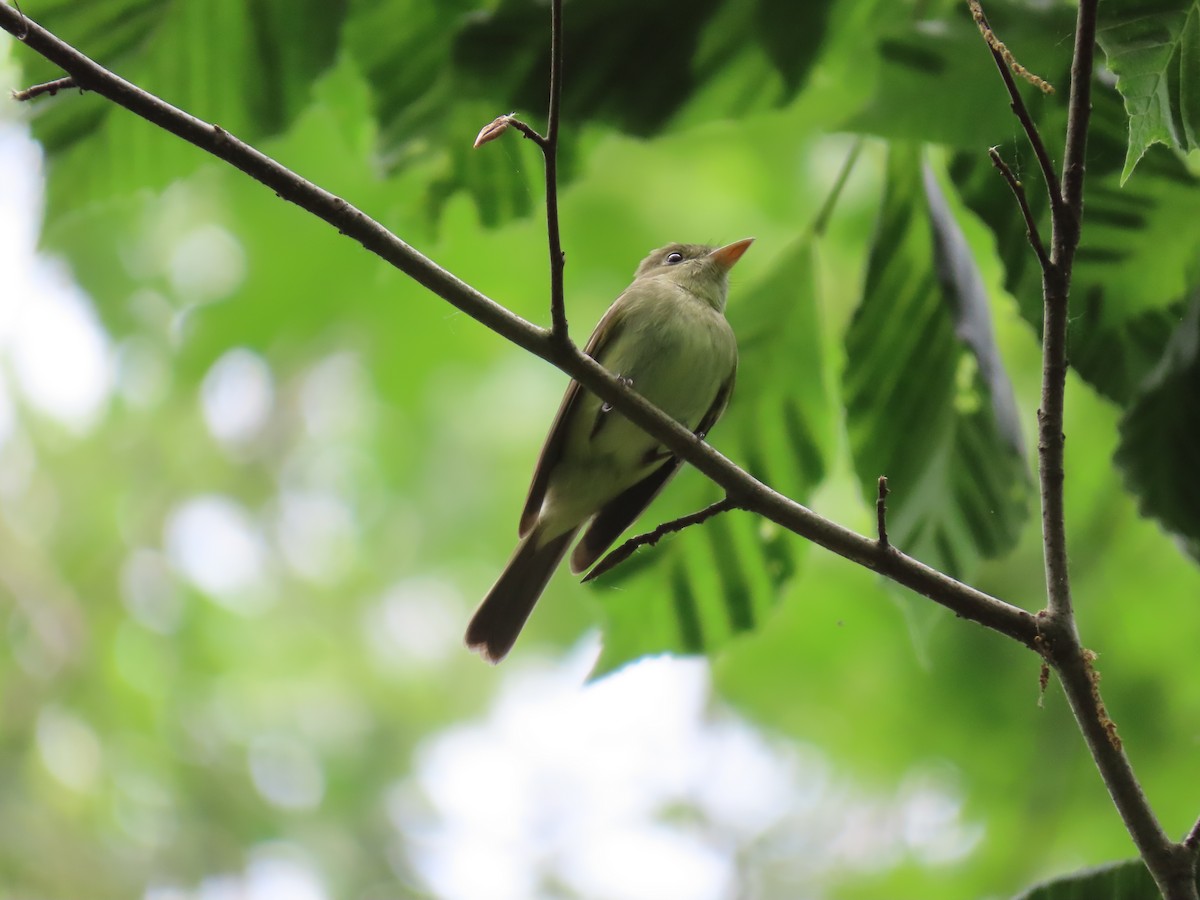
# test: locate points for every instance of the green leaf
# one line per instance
(247, 66)
(1137, 260)
(696, 590)
(1157, 453)
(928, 401)
(935, 81)
(1117, 881)
(1154, 50)
(505, 53)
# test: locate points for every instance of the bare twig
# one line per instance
(50, 87)
(650, 538)
(881, 512)
(998, 46)
(962, 599)
(495, 128)
(1020, 110)
(1018, 189)
(558, 309)
(1066, 215)
(548, 144)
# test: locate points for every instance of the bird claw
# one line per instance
(628, 382)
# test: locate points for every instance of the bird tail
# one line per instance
(502, 614)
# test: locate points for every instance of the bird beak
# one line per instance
(729, 254)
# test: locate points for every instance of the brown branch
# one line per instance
(50, 87)
(1018, 189)
(558, 308)
(1172, 865)
(650, 538)
(962, 599)
(548, 144)
(1020, 110)
(881, 513)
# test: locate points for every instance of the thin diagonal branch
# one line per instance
(1018, 189)
(50, 87)
(1020, 110)
(962, 599)
(650, 538)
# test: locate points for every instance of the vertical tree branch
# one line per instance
(1066, 216)
(558, 312)
(1171, 865)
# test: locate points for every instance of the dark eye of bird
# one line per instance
(674, 257)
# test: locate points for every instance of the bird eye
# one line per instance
(674, 257)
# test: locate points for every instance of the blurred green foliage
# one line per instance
(373, 495)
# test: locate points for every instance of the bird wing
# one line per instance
(606, 330)
(620, 512)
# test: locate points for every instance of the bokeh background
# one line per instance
(253, 481)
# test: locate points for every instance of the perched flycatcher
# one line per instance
(667, 337)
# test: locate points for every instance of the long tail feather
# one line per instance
(502, 614)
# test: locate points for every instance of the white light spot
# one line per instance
(145, 810)
(217, 546)
(286, 772)
(143, 373)
(654, 861)
(149, 591)
(7, 413)
(932, 817)
(637, 787)
(334, 398)
(316, 533)
(418, 621)
(237, 395)
(275, 872)
(276, 875)
(18, 464)
(69, 748)
(61, 355)
(207, 264)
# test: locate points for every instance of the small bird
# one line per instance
(667, 337)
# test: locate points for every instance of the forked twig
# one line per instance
(650, 538)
